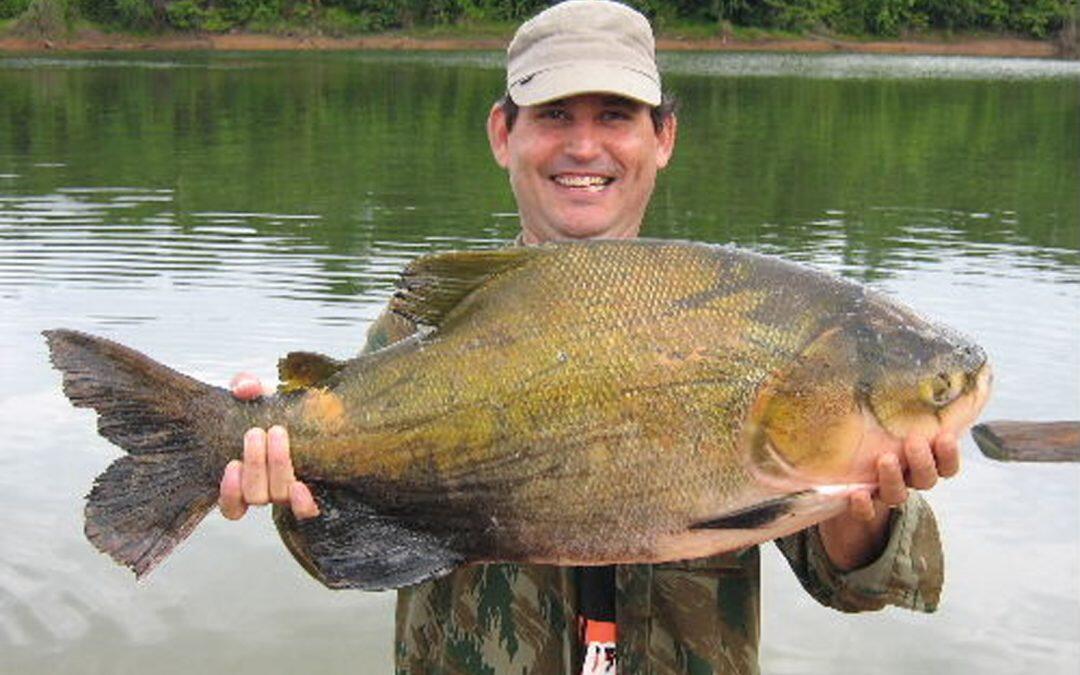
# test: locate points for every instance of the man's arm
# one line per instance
(909, 573)
(886, 549)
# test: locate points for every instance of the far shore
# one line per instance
(96, 41)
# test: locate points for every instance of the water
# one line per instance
(219, 211)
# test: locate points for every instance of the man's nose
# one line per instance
(583, 142)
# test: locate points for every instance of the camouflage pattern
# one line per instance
(696, 617)
(491, 619)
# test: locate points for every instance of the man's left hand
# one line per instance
(858, 536)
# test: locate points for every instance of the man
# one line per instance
(582, 133)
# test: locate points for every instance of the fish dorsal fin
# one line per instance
(431, 286)
(300, 370)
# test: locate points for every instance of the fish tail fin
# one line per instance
(148, 501)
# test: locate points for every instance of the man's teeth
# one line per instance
(593, 182)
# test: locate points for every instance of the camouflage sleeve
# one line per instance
(909, 572)
(384, 331)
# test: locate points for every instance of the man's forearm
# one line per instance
(851, 542)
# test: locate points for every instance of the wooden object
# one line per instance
(1013, 441)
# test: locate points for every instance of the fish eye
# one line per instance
(942, 388)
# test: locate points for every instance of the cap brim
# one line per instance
(585, 78)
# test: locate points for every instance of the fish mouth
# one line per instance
(962, 412)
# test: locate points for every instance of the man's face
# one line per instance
(581, 167)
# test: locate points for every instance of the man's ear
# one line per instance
(666, 147)
(498, 135)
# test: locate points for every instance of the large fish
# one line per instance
(576, 403)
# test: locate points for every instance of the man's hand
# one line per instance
(266, 474)
(856, 537)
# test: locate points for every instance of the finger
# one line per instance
(279, 464)
(230, 496)
(922, 469)
(255, 486)
(302, 503)
(246, 387)
(947, 454)
(891, 488)
(861, 506)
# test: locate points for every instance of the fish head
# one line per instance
(920, 377)
(859, 387)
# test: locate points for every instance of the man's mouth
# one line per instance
(586, 182)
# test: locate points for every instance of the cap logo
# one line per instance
(525, 80)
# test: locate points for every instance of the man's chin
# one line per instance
(588, 223)
(580, 230)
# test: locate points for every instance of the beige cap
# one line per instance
(579, 47)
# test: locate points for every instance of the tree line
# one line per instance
(886, 18)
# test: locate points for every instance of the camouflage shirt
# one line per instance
(695, 616)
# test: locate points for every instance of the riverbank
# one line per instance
(89, 40)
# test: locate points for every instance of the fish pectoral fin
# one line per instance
(431, 286)
(818, 502)
(756, 516)
(301, 370)
(351, 545)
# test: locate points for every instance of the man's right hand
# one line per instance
(266, 474)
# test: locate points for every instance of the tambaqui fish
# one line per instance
(573, 403)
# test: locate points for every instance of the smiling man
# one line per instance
(582, 132)
(580, 166)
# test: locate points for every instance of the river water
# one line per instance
(217, 211)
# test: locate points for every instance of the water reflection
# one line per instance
(732, 64)
(869, 66)
(113, 236)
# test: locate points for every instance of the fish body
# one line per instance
(575, 403)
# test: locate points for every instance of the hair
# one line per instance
(660, 113)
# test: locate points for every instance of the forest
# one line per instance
(701, 18)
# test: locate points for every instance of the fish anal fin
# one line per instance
(433, 285)
(351, 545)
(301, 370)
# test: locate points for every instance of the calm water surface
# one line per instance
(219, 211)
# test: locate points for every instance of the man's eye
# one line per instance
(554, 114)
(615, 115)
